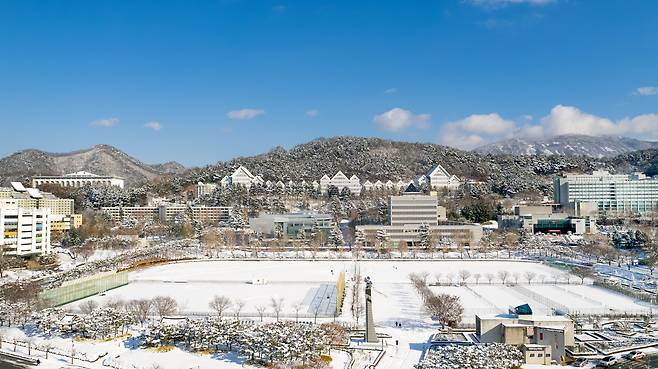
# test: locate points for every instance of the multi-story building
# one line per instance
(290, 224)
(414, 208)
(439, 178)
(78, 179)
(24, 231)
(614, 194)
(242, 177)
(411, 212)
(205, 189)
(340, 181)
(33, 198)
(169, 212)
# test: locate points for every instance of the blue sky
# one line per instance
(201, 81)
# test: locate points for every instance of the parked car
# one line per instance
(608, 361)
(635, 355)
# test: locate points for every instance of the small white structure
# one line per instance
(205, 189)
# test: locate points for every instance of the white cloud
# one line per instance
(476, 130)
(499, 3)
(646, 90)
(398, 119)
(105, 123)
(245, 113)
(390, 91)
(156, 126)
(312, 113)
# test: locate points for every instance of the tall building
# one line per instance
(24, 231)
(33, 198)
(415, 208)
(614, 194)
(409, 213)
(78, 179)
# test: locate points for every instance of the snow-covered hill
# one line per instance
(572, 145)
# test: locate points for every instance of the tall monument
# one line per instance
(371, 336)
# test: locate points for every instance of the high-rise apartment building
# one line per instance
(614, 194)
(24, 231)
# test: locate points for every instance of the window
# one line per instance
(541, 335)
(548, 355)
(532, 355)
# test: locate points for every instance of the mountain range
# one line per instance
(594, 146)
(368, 158)
(99, 159)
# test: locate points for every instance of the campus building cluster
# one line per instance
(29, 216)
(436, 179)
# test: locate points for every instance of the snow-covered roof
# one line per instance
(82, 173)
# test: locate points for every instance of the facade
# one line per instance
(340, 181)
(169, 212)
(614, 194)
(414, 208)
(439, 178)
(24, 231)
(548, 219)
(290, 224)
(205, 189)
(62, 223)
(33, 198)
(467, 235)
(553, 331)
(78, 179)
(242, 177)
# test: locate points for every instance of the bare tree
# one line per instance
(450, 276)
(260, 309)
(211, 240)
(542, 278)
(237, 308)
(516, 277)
(86, 307)
(220, 304)
(464, 275)
(165, 305)
(582, 273)
(477, 277)
(141, 308)
(437, 276)
(503, 275)
(277, 306)
(297, 307)
(490, 277)
(529, 276)
(46, 347)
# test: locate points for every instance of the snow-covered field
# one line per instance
(193, 284)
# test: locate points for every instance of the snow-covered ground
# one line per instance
(193, 284)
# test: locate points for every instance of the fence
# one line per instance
(84, 287)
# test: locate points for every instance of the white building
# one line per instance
(340, 181)
(78, 179)
(614, 194)
(243, 177)
(205, 189)
(415, 209)
(24, 231)
(439, 178)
